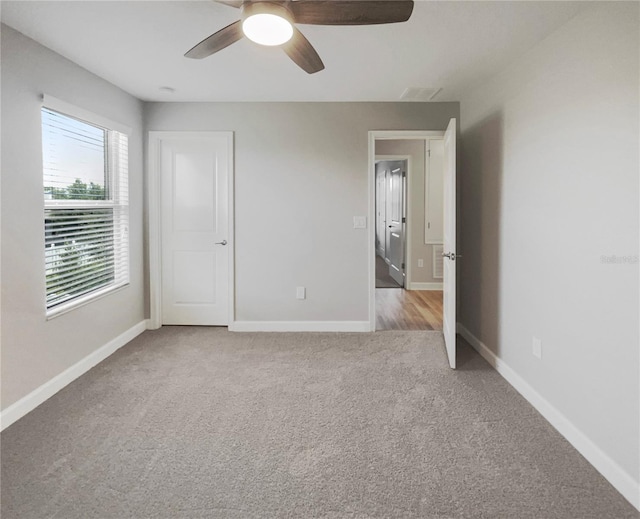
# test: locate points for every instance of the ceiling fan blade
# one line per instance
(351, 12)
(231, 3)
(217, 41)
(302, 53)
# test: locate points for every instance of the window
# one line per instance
(86, 210)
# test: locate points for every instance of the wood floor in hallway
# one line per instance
(399, 309)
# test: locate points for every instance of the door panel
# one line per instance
(395, 219)
(387, 211)
(194, 191)
(195, 270)
(189, 289)
(381, 210)
(434, 190)
(449, 227)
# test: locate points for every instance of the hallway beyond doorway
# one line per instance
(399, 309)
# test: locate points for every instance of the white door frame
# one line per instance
(155, 220)
(373, 137)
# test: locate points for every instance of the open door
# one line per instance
(449, 246)
(381, 210)
(395, 219)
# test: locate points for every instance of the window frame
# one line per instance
(117, 200)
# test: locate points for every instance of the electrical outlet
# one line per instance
(420, 263)
(536, 346)
(301, 293)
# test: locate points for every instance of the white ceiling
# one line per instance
(139, 47)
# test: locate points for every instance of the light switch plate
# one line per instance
(359, 222)
(536, 346)
(301, 293)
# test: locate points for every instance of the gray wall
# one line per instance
(301, 175)
(35, 350)
(419, 250)
(550, 186)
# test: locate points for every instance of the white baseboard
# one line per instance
(622, 481)
(150, 324)
(29, 402)
(425, 286)
(299, 326)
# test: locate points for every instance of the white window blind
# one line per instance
(86, 216)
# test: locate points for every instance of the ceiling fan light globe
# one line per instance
(267, 29)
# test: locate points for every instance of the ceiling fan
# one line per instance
(273, 23)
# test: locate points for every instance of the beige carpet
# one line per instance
(202, 423)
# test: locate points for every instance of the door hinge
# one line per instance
(428, 225)
(402, 266)
(404, 220)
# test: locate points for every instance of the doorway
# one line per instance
(408, 289)
(191, 238)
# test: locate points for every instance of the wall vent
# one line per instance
(420, 94)
(438, 261)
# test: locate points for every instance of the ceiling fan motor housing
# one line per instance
(277, 9)
(267, 23)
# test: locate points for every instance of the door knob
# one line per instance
(223, 242)
(451, 255)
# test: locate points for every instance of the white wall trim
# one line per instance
(39, 395)
(154, 246)
(373, 136)
(406, 134)
(425, 286)
(155, 220)
(58, 105)
(299, 326)
(612, 472)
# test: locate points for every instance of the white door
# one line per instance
(449, 217)
(195, 172)
(381, 194)
(395, 219)
(434, 192)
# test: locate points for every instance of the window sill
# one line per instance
(84, 300)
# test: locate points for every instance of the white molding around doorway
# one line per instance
(373, 137)
(155, 220)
